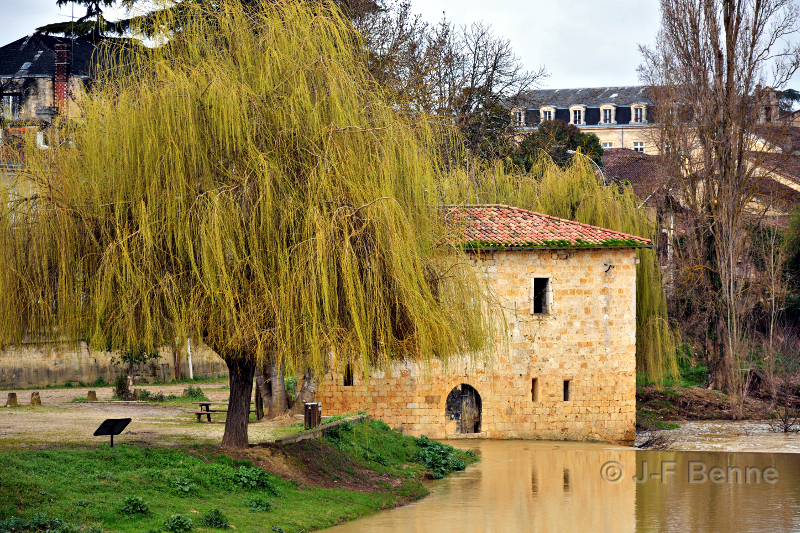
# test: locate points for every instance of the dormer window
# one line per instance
(608, 114)
(639, 114)
(519, 117)
(547, 113)
(577, 114)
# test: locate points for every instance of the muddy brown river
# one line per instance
(524, 486)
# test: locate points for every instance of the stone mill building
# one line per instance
(567, 368)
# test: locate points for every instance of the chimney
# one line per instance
(63, 53)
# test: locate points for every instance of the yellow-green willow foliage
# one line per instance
(245, 184)
(577, 193)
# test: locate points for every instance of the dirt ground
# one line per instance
(59, 421)
(695, 403)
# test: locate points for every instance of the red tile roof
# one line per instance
(502, 226)
(642, 171)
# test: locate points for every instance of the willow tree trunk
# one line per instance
(307, 393)
(278, 405)
(241, 372)
(259, 393)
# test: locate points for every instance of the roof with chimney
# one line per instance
(34, 57)
(493, 226)
(589, 97)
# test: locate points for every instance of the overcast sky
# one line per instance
(581, 43)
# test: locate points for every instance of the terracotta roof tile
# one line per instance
(642, 171)
(502, 226)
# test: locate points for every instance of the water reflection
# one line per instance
(523, 486)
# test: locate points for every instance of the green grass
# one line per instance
(385, 449)
(90, 487)
(660, 424)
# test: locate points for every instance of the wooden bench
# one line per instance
(205, 409)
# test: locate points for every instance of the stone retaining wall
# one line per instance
(54, 364)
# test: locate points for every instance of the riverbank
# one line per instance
(355, 471)
(671, 404)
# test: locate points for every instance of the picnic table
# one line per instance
(205, 409)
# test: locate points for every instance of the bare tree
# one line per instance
(715, 125)
(465, 75)
(481, 80)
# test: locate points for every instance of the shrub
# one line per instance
(258, 505)
(40, 522)
(134, 505)
(121, 389)
(178, 524)
(196, 393)
(214, 518)
(183, 485)
(440, 459)
(277, 529)
(254, 478)
(99, 382)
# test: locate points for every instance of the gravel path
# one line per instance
(60, 422)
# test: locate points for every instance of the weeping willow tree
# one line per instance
(576, 193)
(246, 184)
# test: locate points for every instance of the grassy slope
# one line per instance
(88, 486)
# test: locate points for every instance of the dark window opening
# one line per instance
(566, 390)
(535, 389)
(566, 480)
(348, 375)
(540, 295)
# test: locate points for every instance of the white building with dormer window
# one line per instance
(617, 115)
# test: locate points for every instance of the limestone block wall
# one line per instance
(587, 337)
(53, 364)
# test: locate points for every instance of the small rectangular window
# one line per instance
(637, 114)
(638, 147)
(577, 116)
(540, 286)
(535, 390)
(606, 146)
(348, 375)
(606, 116)
(566, 390)
(547, 115)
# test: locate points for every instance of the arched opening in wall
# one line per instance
(464, 406)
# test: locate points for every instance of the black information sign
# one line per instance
(111, 427)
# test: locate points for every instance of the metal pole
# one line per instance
(189, 353)
(573, 152)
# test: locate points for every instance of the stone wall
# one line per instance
(54, 364)
(38, 97)
(586, 337)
